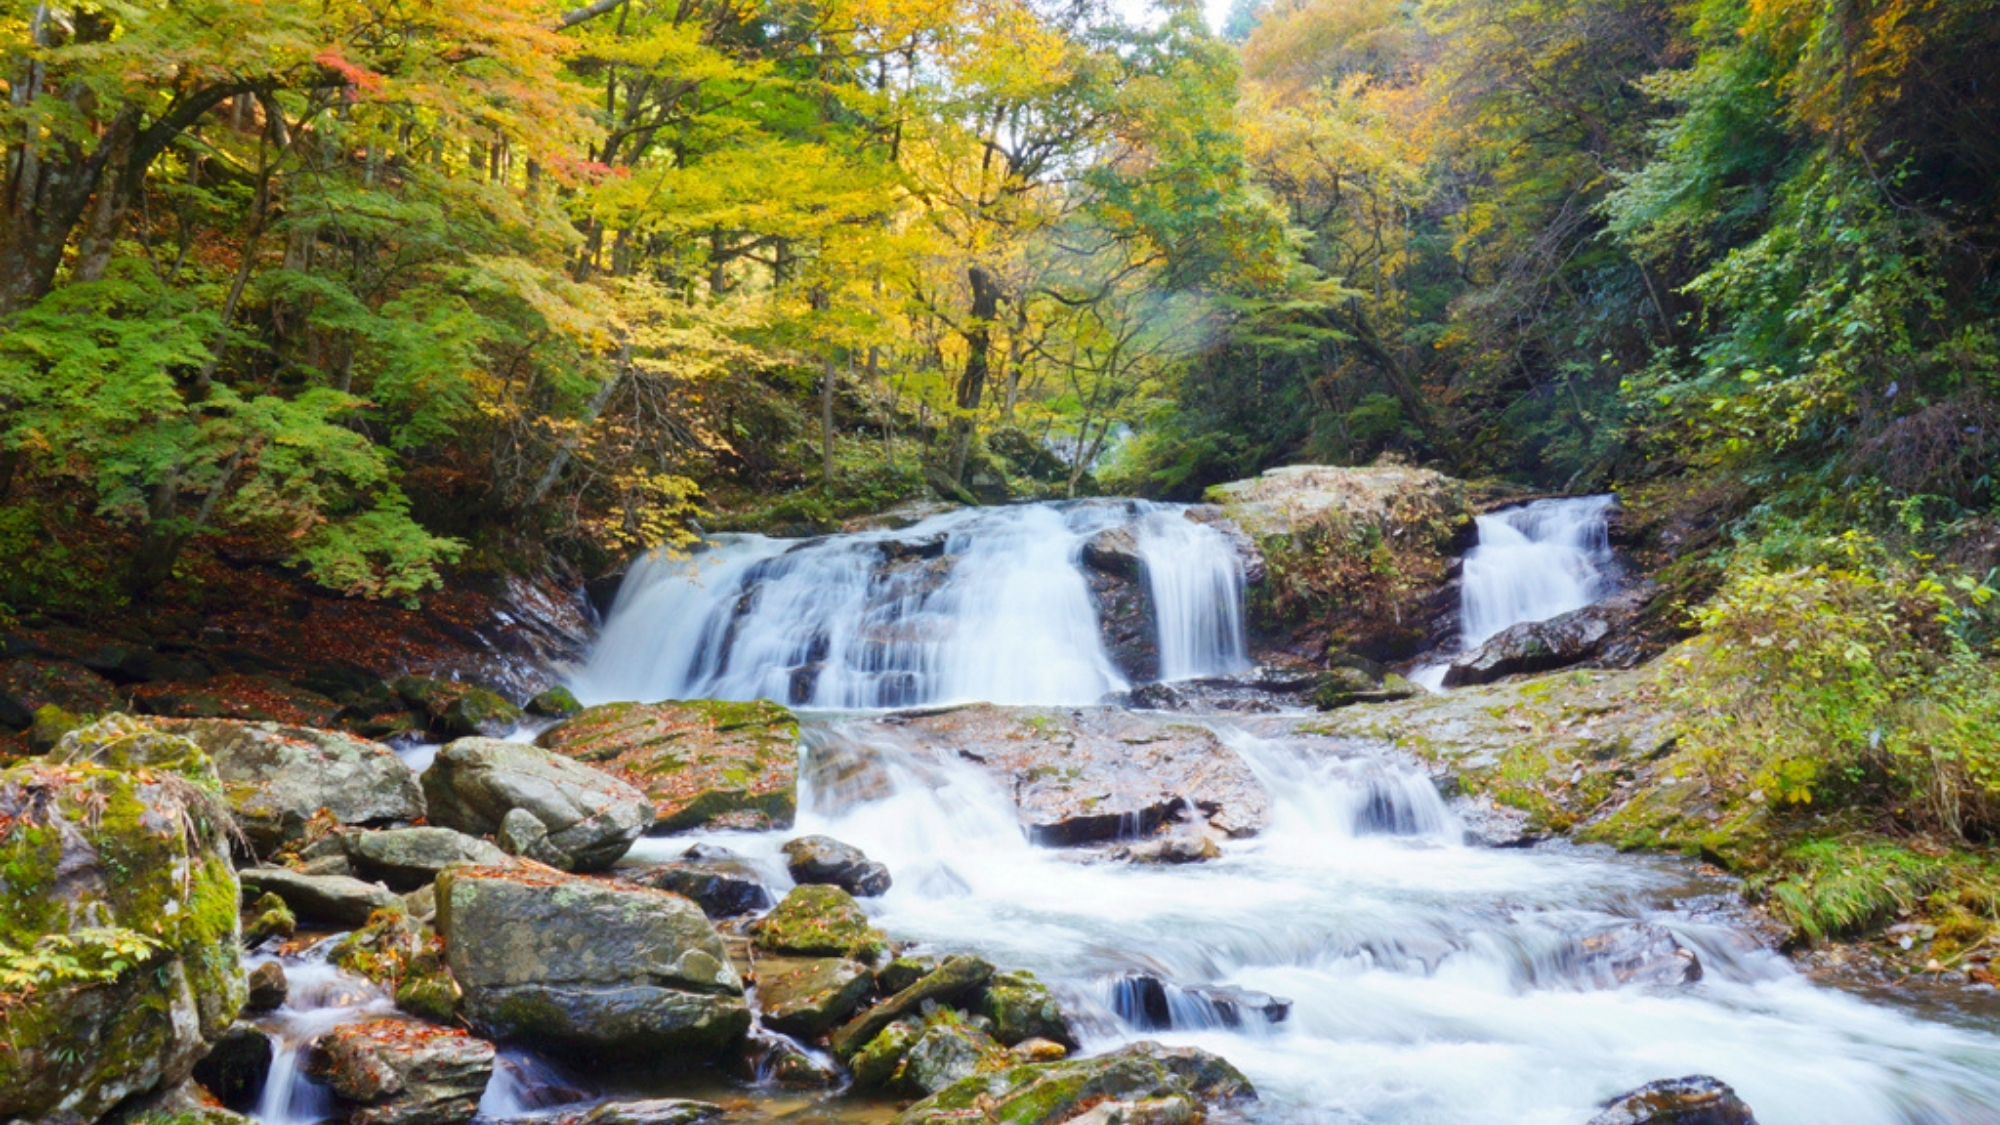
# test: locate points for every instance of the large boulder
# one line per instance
(702, 762)
(588, 818)
(806, 997)
(1100, 773)
(1694, 1100)
(1022, 1008)
(947, 1051)
(587, 967)
(120, 895)
(817, 921)
(392, 1072)
(409, 858)
(1053, 1092)
(27, 686)
(458, 710)
(823, 859)
(334, 900)
(279, 777)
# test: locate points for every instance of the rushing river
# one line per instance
(1431, 980)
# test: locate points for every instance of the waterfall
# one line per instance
(987, 604)
(1535, 562)
(1196, 580)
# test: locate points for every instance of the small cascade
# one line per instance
(524, 1085)
(1534, 562)
(1196, 580)
(987, 604)
(319, 998)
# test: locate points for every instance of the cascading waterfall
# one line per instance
(1196, 580)
(1535, 562)
(320, 997)
(982, 604)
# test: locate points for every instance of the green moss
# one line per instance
(876, 1065)
(818, 921)
(269, 918)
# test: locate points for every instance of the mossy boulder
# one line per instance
(269, 918)
(957, 979)
(454, 710)
(555, 703)
(1047, 1093)
(702, 762)
(875, 1065)
(51, 723)
(818, 921)
(118, 945)
(948, 1050)
(279, 778)
(576, 818)
(1023, 1008)
(589, 968)
(28, 685)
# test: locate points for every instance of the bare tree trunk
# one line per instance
(978, 365)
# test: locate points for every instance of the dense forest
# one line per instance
(384, 292)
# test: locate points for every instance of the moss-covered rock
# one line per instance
(392, 1072)
(818, 921)
(123, 826)
(557, 702)
(806, 998)
(51, 723)
(269, 918)
(954, 981)
(874, 1066)
(28, 685)
(948, 1050)
(455, 710)
(703, 762)
(1023, 1008)
(1047, 1093)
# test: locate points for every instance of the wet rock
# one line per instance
(1638, 954)
(874, 1067)
(955, 979)
(50, 724)
(657, 1111)
(587, 967)
(455, 710)
(1037, 1050)
(1541, 646)
(409, 858)
(807, 998)
(701, 762)
(335, 900)
(269, 918)
(28, 685)
(268, 987)
(1115, 551)
(129, 833)
(818, 921)
(1091, 774)
(590, 818)
(1694, 1100)
(1022, 1008)
(723, 888)
(823, 859)
(187, 1103)
(555, 703)
(1174, 848)
(775, 1059)
(234, 1069)
(1152, 1004)
(392, 1072)
(404, 956)
(1125, 623)
(1213, 515)
(1147, 1111)
(946, 1052)
(1048, 1093)
(1351, 679)
(279, 777)
(903, 972)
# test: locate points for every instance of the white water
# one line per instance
(1196, 582)
(1535, 562)
(981, 604)
(1531, 563)
(319, 998)
(1432, 982)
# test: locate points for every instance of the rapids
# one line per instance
(1431, 980)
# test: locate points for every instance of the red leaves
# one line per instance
(358, 77)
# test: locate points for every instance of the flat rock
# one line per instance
(393, 1072)
(1052, 1092)
(1542, 646)
(587, 967)
(701, 762)
(656, 1111)
(336, 900)
(590, 818)
(278, 777)
(1099, 773)
(1694, 1100)
(806, 997)
(409, 858)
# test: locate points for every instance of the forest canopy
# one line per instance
(376, 289)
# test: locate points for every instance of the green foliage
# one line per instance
(85, 956)
(1848, 679)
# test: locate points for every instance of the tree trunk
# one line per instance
(978, 365)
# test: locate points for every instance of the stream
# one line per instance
(1429, 980)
